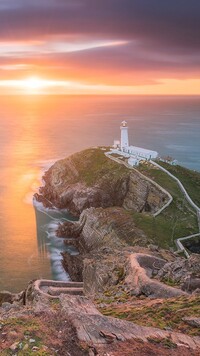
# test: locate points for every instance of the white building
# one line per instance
(124, 136)
(136, 153)
(132, 161)
(141, 152)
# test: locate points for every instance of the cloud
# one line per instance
(117, 41)
(167, 23)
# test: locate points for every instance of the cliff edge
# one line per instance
(89, 179)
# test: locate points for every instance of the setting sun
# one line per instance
(34, 83)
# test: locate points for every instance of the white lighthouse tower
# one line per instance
(124, 135)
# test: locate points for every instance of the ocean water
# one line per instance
(36, 131)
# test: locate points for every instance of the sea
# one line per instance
(35, 131)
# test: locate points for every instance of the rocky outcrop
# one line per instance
(129, 271)
(142, 195)
(57, 319)
(111, 227)
(99, 233)
(103, 269)
(73, 264)
(140, 278)
(97, 329)
(183, 272)
(89, 179)
(7, 297)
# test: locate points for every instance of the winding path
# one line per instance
(190, 201)
(146, 178)
(184, 191)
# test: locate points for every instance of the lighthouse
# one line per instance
(124, 135)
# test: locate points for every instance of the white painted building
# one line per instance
(132, 161)
(124, 136)
(136, 153)
(141, 152)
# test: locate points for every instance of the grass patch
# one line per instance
(177, 220)
(100, 167)
(190, 179)
(166, 342)
(166, 314)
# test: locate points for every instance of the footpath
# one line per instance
(179, 244)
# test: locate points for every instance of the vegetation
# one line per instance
(177, 220)
(42, 333)
(100, 166)
(169, 313)
(190, 180)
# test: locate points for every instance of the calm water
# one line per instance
(37, 131)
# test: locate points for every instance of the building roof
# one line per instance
(142, 150)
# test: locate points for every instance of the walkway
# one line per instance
(184, 191)
(190, 201)
(118, 160)
(53, 289)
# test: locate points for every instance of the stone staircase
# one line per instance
(72, 288)
(53, 289)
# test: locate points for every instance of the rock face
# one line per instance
(57, 321)
(99, 227)
(73, 264)
(89, 179)
(100, 233)
(92, 326)
(129, 271)
(139, 277)
(184, 272)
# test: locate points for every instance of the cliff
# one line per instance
(106, 196)
(89, 179)
(118, 262)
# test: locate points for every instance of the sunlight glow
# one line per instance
(39, 86)
(33, 85)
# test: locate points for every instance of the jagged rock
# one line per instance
(6, 296)
(139, 281)
(91, 326)
(111, 227)
(132, 271)
(14, 347)
(184, 272)
(192, 321)
(73, 264)
(79, 182)
(6, 305)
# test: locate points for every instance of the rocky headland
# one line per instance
(131, 294)
(89, 179)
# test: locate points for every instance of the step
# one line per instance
(60, 284)
(72, 290)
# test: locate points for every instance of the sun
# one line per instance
(33, 84)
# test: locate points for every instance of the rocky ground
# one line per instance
(72, 326)
(123, 272)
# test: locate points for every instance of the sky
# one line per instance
(100, 47)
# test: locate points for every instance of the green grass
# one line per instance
(177, 220)
(190, 180)
(99, 166)
(169, 313)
